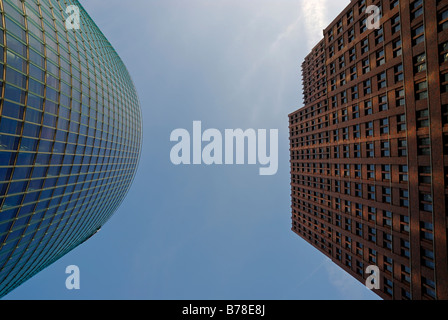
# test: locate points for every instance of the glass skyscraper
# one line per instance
(70, 134)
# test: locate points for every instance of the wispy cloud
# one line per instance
(315, 20)
(345, 283)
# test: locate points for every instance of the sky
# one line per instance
(195, 232)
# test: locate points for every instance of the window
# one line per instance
(426, 202)
(363, 25)
(402, 148)
(395, 23)
(418, 35)
(444, 82)
(424, 146)
(339, 27)
(445, 114)
(424, 174)
(404, 198)
(388, 287)
(426, 231)
(393, 4)
(397, 47)
(428, 287)
(357, 171)
(364, 45)
(403, 173)
(367, 107)
(367, 88)
(331, 51)
(388, 264)
(370, 171)
(399, 98)
(371, 192)
(340, 42)
(385, 149)
(358, 190)
(416, 9)
(387, 220)
(443, 52)
(404, 224)
(333, 84)
(405, 246)
(365, 66)
(351, 35)
(372, 255)
(353, 74)
(344, 97)
(385, 173)
(423, 118)
(428, 258)
(344, 114)
(421, 91)
(382, 100)
(384, 126)
(401, 123)
(379, 35)
(370, 150)
(371, 213)
(381, 77)
(355, 111)
(346, 151)
(420, 63)
(342, 79)
(369, 129)
(356, 134)
(443, 20)
(398, 73)
(405, 273)
(352, 54)
(386, 195)
(349, 17)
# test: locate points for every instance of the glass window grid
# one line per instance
(117, 145)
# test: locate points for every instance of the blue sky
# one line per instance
(205, 232)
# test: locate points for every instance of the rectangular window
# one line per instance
(420, 63)
(424, 174)
(421, 90)
(365, 66)
(385, 152)
(367, 87)
(382, 102)
(424, 145)
(401, 123)
(418, 35)
(444, 82)
(443, 20)
(416, 9)
(398, 73)
(426, 202)
(368, 107)
(443, 49)
(397, 47)
(403, 173)
(402, 148)
(423, 118)
(384, 126)
(395, 21)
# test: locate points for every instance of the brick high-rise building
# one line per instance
(369, 149)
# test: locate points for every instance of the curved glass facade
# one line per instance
(70, 134)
